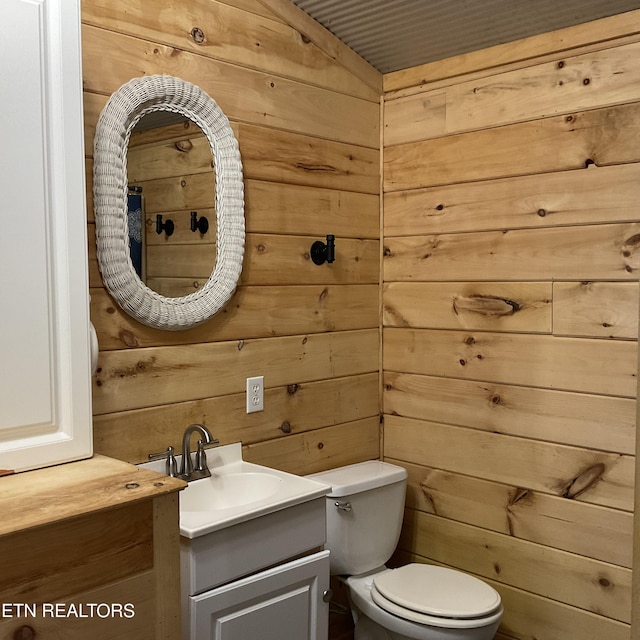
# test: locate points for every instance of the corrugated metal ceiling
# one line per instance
(398, 34)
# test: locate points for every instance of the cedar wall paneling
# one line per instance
(510, 310)
(308, 129)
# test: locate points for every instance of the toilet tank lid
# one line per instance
(362, 476)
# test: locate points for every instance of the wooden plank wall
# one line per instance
(308, 129)
(510, 308)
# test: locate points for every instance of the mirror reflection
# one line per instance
(171, 204)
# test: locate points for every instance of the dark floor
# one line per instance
(340, 620)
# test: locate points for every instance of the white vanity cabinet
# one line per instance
(264, 579)
(45, 394)
(283, 602)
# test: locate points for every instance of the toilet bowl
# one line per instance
(417, 601)
(445, 605)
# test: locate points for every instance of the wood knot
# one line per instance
(285, 427)
(485, 305)
(292, 388)
(470, 341)
(128, 338)
(495, 399)
(386, 252)
(197, 35)
(184, 146)
(320, 445)
(131, 485)
(605, 583)
(24, 633)
(584, 481)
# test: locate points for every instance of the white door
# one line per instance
(45, 386)
(283, 603)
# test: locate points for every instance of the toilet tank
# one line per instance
(364, 514)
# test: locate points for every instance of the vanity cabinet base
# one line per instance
(286, 601)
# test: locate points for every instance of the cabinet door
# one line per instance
(45, 390)
(285, 602)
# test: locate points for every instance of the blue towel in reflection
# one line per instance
(135, 229)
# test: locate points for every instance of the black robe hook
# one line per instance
(321, 252)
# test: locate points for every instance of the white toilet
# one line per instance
(419, 601)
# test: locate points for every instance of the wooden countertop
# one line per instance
(36, 498)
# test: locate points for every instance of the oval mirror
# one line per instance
(163, 301)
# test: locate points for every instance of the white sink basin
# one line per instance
(229, 490)
(237, 491)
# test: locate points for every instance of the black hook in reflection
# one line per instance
(168, 226)
(199, 224)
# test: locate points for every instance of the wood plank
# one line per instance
(581, 474)
(577, 527)
(326, 41)
(181, 260)
(272, 207)
(590, 80)
(281, 156)
(602, 194)
(321, 449)
(191, 154)
(592, 421)
(527, 615)
(596, 309)
(494, 306)
(139, 378)
(602, 136)
(234, 35)
(282, 260)
(243, 94)
(587, 81)
(525, 49)
(184, 191)
(68, 491)
(594, 252)
(137, 591)
(288, 410)
(575, 580)
(571, 364)
(254, 6)
(114, 544)
(253, 312)
(415, 117)
(166, 554)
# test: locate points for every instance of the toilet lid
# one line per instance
(437, 591)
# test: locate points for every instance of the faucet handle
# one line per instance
(201, 456)
(172, 465)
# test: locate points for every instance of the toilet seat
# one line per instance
(424, 626)
(422, 593)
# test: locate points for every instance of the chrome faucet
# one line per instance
(187, 470)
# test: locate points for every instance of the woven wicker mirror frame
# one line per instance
(122, 112)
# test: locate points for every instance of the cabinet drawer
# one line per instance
(247, 547)
(282, 602)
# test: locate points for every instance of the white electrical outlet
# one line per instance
(255, 394)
